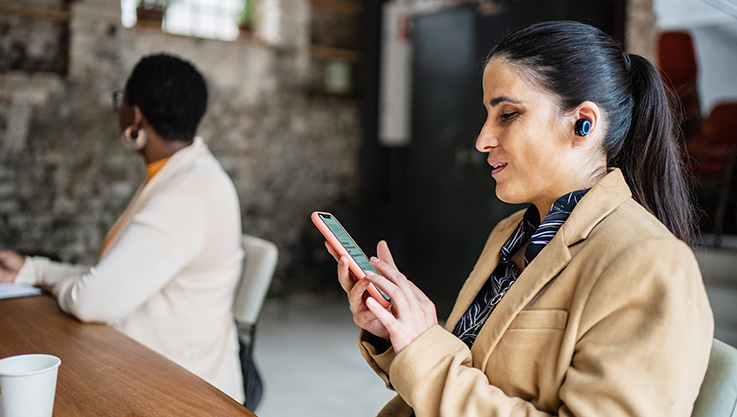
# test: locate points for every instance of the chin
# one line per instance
(508, 196)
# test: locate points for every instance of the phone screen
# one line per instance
(348, 243)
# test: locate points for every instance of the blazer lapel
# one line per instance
(122, 220)
(551, 260)
(486, 264)
(601, 200)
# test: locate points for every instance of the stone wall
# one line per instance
(34, 44)
(64, 179)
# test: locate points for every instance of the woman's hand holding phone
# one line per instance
(356, 289)
(409, 315)
(376, 313)
(411, 311)
(343, 245)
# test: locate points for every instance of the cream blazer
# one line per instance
(610, 319)
(168, 278)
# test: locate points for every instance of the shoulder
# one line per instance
(200, 173)
(628, 224)
(630, 244)
(630, 248)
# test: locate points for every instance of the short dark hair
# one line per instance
(577, 62)
(171, 94)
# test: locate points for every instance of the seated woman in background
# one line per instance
(589, 302)
(170, 265)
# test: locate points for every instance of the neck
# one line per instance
(158, 148)
(581, 183)
(543, 208)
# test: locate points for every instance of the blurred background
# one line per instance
(368, 109)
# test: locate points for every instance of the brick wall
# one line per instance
(64, 178)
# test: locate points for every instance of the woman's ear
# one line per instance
(586, 123)
(138, 118)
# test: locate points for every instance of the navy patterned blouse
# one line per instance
(507, 272)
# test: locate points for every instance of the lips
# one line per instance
(497, 166)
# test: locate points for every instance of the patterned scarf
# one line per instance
(507, 272)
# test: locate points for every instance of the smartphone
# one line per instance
(344, 244)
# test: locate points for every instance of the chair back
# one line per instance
(677, 57)
(718, 394)
(709, 150)
(679, 69)
(720, 127)
(258, 268)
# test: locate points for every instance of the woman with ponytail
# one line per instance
(590, 301)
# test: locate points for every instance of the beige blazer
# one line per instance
(168, 277)
(610, 319)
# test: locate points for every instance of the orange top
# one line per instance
(151, 169)
(154, 167)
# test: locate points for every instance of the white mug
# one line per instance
(28, 385)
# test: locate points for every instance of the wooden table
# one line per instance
(103, 372)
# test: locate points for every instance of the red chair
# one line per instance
(713, 156)
(677, 60)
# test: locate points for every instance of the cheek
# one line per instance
(532, 152)
(542, 149)
(534, 161)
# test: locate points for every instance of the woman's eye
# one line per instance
(509, 116)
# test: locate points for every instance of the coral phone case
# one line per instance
(344, 244)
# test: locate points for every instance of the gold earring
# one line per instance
(134, 142)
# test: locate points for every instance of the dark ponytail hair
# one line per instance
(577, 62)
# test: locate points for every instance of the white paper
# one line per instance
(9, 290)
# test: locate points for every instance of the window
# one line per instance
(214, 19)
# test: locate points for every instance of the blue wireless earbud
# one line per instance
(582, 127)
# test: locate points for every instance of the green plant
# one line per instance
(245, 16)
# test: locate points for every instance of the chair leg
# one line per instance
(252, 382)
(249, 359)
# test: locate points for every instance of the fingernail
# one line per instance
(374, 259)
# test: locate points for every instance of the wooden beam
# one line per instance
(327, 52)
(34, 12)
(342, 7)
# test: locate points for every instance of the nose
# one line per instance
(486, 139)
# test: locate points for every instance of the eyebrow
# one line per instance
(497, 100)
